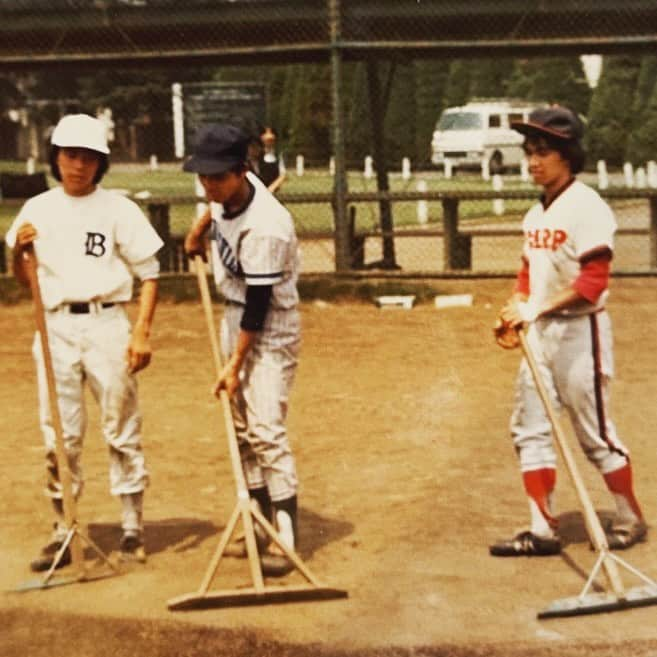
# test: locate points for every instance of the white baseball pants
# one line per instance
(260, 405)
(92, 348)
(575, 359)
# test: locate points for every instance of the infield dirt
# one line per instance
(398, 419)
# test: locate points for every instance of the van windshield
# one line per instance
(460, 121)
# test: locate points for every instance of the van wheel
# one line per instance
(496, 163)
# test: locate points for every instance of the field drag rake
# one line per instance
(259, 593)
(616, 597)
(74, 536)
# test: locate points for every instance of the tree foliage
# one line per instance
(610, 111)
(621, 112)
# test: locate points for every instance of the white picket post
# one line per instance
(628, 172)
(498, 203)
(652, 173)
(448, 168)
(30, 165)
(332, 166)
(603, 178)
(485, 169)
(524, 170)
(422, 204)
(300, 165)
(641, 178)
(368, 170)
(154, 166)
(406, 169)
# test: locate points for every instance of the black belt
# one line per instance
(84, 308)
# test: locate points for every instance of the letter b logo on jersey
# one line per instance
(95, 245)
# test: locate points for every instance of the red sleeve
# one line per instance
(522, 278)
(593, 277)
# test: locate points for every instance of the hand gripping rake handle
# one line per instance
(594, 528)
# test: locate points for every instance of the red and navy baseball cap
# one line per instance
(555, 121)
(218, 148)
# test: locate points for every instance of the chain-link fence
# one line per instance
(397, 184)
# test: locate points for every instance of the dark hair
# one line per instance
(103, 164)
(570, 150)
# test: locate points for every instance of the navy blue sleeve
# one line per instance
(258, 300)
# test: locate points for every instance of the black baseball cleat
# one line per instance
(526, 544)
(47, 557)
(620, 538)
(275, 565)
(131, 548)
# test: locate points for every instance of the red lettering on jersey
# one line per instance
(546, 238)
(547, 233)
(560, 237)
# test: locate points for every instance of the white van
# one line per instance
(479, 132)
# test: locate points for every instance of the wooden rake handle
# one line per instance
(236, 462)
(595, 531)
(68, 500)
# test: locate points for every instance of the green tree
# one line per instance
(641, 142)
(430, 82)
(609, 117)
(357, 113)
(457, 91)
(311, 111)
(488, 77)
(399, 123)
(559, 80)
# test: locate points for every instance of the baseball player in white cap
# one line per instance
(255, 262)
(89, 244)
(560, 296)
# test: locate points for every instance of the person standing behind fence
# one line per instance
(255, 261)
(89, 244)
(269, 165)
(560, 297)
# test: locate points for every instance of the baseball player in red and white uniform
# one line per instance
(255, 262)
(89, 244)
(560, 296)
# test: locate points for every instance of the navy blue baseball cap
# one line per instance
(218, 148)
(555, 121)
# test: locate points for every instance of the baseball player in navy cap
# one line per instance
(90, 243)
(255, 262)
(560, 296)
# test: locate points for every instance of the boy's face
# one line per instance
(77, 168)
(224, 187)
(546, 165)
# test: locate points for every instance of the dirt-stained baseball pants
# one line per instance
(575, 359)
(260, 405)
(92, 348)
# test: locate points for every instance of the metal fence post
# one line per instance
(653, 232)
(457, 252)
(342, 238)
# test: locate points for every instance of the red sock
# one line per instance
(619, 482)
(539, 484)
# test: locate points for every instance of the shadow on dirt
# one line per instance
(176, 534)
(179, 535)
(572, 528)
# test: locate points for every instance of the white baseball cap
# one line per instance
(81, 131)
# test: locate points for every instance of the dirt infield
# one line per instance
(399, 422)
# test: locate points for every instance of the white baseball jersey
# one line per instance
(257, 247)
(86, 245)
(576, 223)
